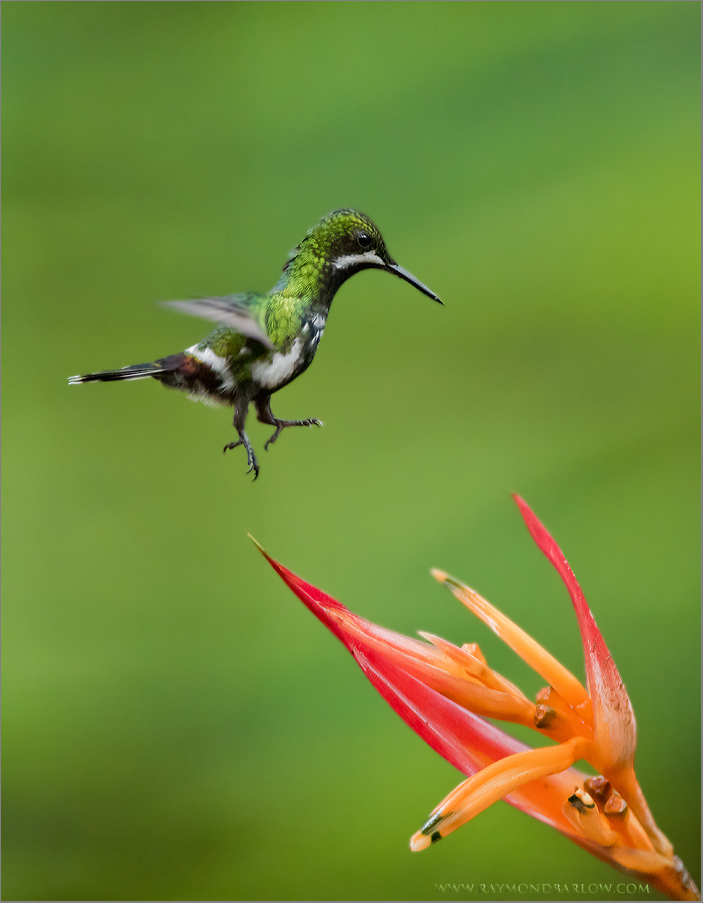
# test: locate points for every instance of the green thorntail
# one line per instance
(264, 342)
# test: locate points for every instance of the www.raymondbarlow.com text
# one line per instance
(620, 887)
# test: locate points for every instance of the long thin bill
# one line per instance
(403, 273)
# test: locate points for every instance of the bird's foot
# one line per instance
(282, 424)
(251, 457)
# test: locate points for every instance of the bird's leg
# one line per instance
(265, 415)
(240, 413)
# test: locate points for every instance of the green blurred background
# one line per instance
(176, 725)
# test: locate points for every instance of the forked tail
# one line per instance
(135, 371)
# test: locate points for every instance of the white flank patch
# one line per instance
(280, 368)
(341, 263)
(200, 394)
(318, 325)
(216, 363)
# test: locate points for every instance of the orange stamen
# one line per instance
(474, 666)
(581, 810)
(549, 696)
(467, 693)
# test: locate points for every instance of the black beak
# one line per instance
(399, 271)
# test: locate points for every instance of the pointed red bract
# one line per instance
(612, 711)
(310, 596)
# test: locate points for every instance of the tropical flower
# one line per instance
(445, 693)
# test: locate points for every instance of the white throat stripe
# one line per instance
(341, 263)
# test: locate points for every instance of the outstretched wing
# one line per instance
(235, 311)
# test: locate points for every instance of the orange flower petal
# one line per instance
(520, 642)
(494, 782)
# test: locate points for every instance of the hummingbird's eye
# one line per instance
(364, 240)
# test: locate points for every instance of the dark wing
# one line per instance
(234, 311)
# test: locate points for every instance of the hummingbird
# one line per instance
(265, 341)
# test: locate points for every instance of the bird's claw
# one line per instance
(281, 425)
(251, 457)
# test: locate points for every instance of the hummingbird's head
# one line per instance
(348, 241)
